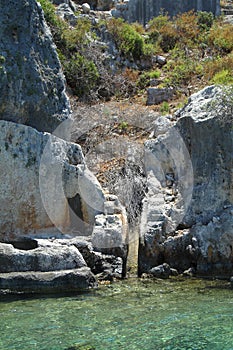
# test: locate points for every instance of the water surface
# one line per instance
(130, 315)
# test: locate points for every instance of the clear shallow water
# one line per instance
(129, 315)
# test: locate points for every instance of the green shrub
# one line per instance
(157, 23)
(224, 77)
(205, 20)
(81, 74)
(164, 108)
(214, 66)
(49, 12)
(144, 78)
(221, 37)
(168, 37)
(182, 71)
(128, 41)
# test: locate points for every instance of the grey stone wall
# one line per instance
(144, 10)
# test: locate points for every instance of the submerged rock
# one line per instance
(161, 271)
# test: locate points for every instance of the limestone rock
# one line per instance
(38, 173)
(48, 282)
(143, 11)
(161, 60)
(161, 271)
(187, 214)
(157, 95)
(50, 258)
(66, 12)
(105, 266)
(86, 8)
(31, 80)
(231, 281)
(110, 232)
(105, 5)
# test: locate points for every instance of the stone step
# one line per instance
(47, 282)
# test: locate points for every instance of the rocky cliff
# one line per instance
(143, 11)
(46, 189)
(187, 219)
(31, 80)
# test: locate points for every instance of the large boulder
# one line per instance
(31, 80)
(48, 282)
(187, 216)
(45, 258)
(45, 185)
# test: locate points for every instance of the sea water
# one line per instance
(133, 314)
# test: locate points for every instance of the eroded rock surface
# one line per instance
(187, 216)
(38, 173)
(31, 80)
(48, 282)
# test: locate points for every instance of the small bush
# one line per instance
(164, 108)
(187, 28)
(81, 74)
(221, 38)
(129, 42)
(181, 71)
(224, 77)
(157, 23)
(75, 38)
(168, 37)
(144, 78)
(205, 20)
(49, 12)
(214, 66)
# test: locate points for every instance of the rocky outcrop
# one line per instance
(110, 232)
(47, 282)
(49, 257)
(31, 80)
(144, 10)
(40, 175)
(51, 267)
(46, 189)
(35, 267)
(187, 218)
(158, 95)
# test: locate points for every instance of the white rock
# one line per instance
(86, 8)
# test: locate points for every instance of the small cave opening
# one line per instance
(77, 224)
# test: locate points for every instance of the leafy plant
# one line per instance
(214, 66)
(221, 37)
(164, 108)
(205, 20)
(224, 77)
(144, 78)
(129, 42)
(81, 74)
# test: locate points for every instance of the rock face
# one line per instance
(158, 95)
(110, 232)
(187, 218)
(31, 81)
(48, 282)
(52, 257)
(40, 174)
(144, 10)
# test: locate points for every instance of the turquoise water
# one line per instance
(129, 315)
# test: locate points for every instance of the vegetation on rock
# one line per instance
(197, 46)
